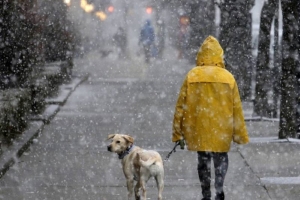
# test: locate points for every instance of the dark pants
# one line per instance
(204, 171)
(147, 52)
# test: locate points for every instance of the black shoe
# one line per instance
(206, 193)
(220, 196)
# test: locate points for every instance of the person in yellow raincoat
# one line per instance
(209, 116)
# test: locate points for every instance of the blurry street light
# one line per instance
(102, 16)
(110, 9)
(86, 7)
(68, 2)
(149, 10)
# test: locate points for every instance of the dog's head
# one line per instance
(119, 142)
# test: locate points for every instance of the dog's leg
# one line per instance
(130, 188)
(143, 186)
(136, 191)
(142, 183)
(160, 185)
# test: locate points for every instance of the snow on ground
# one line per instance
(281, 180)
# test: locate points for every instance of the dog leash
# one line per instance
(173, 150)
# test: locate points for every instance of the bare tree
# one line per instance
(235, 38)
(263, 70)
(290, 54)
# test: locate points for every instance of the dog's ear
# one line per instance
(110, 136)
(128, 138)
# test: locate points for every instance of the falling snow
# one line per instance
(74, 71)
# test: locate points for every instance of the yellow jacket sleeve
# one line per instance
(177, 133)
(240, 134)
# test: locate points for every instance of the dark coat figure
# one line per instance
(120, 40)
(147, 38)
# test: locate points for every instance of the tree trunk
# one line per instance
(290, 45)
(56, 31)
(276, 71)
(202, 24)
(235, 38)
(298, 71)
(6, 38)
(263, 71)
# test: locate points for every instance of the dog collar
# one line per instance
(126, 152)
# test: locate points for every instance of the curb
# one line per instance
(65, 91)
(49, 112)
(19, 146)
(258, 118)
(10, 156)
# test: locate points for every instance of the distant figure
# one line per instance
(147, 38)
(183, 36)
(160, 38)
(120, 40)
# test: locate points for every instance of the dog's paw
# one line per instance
(137, 197)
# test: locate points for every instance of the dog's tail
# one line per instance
(145, 163)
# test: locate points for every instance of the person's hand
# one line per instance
(181, 143)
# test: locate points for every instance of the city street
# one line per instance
(69, 160)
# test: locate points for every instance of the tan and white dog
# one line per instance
(138, 165)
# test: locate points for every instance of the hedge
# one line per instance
(15, 108)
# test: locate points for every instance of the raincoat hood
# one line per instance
(210, 53)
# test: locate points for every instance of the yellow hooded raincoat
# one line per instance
(208, 113)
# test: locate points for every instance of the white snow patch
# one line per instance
(281, 180)
(273, 140)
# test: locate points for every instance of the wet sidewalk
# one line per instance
(69, 160)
